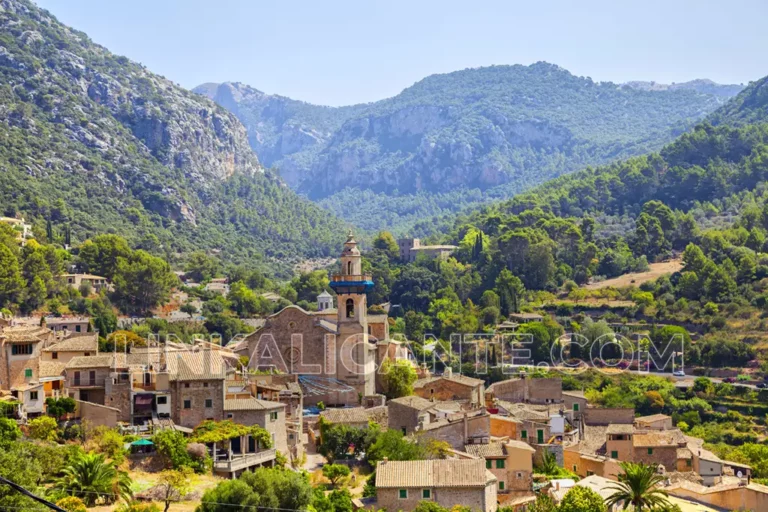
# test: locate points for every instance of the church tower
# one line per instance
(351, 287)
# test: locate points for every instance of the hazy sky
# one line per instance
(342, 52)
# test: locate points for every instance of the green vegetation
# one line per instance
(93, 479)
(112, 159)
(262, 488)
(637, 488)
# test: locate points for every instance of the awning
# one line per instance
(142, 442)
(143, 400)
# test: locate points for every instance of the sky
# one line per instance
(344, 52)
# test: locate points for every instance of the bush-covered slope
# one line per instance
(749, 106)
(95, 141)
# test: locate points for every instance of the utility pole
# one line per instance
(30, 495)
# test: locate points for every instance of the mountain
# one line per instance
(97, 142)
(749, 106)
(455, 140)
(701, 85)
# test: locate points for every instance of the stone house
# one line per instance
(266, 414)
(77, 280)
(452, 387)
(408, 413)
(510, 461)
(526, 390)
(68, 324)
(20, 348)
(86, 376)
(401, 485)
(459, 428)
(576, 402)
(75, 345)
(197, 385)
(654, 422)
(357, 416)
(411, 248)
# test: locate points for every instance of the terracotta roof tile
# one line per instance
(50, 368)
(458, 379)
(200, 365)
(433, 473)
(100, 361)
(85, 343)
(415, 402)
(250, 404)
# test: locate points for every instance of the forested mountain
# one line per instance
(96, 143)
(461, 138)
(749, 106)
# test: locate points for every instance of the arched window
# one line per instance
(349, 268)
(350, 308)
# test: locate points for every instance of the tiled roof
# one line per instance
(458, 379)
(574, 394)
(658, 438)
(433, 473)
(619, 428)
(250, 404)
(525, 411)
(415, 402)
(349, 415)
(502, 384)
(593, 442)
(100, 361)
(50, 368)
(24, 334)
(652, 418)
(357, 415)
(84, 343)
(684, 453)
(485, 450)
(201, 365)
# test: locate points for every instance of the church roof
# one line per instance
(324, 295)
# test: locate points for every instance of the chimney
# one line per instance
(448, 372)
(384, 460)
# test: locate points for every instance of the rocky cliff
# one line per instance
(125, 150)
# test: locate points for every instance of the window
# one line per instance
(688, 462)
(77, 328)
(208, 403)
(27, 373)
(499, 463)
(186, 384)
(426, 494)
(87, 354)
(590, 473)
(23, 349)
(501, 485)
(349, 268)
(404, 432)
(488, 464)
(614, 454)
(162, 400)
(187, 404)
(524, 434)
(402, 494)
(205, 384)
(650, 451)
(540, 436)
(230, 415)
(33, 395)
(575, 407)
(54, 355)
(575, 468)
(350, 308)
(273, 416)
(519, 475)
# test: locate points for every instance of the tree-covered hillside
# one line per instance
(459, 139)
(749, 106)
(96, 143)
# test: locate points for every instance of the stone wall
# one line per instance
(604, 416)
(446, 389)
(118, 395)
(96, 414)
(402, 416)
(477, 499)
(197, 392)
(459, 432)
(664, 455)
(275, 427)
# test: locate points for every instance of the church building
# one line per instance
(334, 351)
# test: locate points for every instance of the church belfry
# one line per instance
(351, 287)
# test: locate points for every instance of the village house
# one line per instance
(401, 485)
(526, 390)
(20, 348)
(75, 345)
(654, 422)
(466, 390)
(358, 417)
(512, 464)
(68, 324)
(410, 249)
(75, 281)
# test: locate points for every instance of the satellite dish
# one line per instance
(739, 474)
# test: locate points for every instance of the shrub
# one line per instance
(72, 504)
(44, 428)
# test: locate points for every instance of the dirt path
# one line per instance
(637, 278)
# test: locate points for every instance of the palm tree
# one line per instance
(638, 488)
(91, 478)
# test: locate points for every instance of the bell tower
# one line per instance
(351, 287)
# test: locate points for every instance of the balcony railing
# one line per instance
(86, 382)
(238, 462)
(351, 277)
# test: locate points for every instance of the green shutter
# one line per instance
(499, 463)
(614, 454)
(403, 494)
(501, 485)
(575, 407)
(28, 373)
(524, 434)
(488, 464)
(650, 451)
(426, 494)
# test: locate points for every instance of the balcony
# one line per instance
(352, 283)
(233, 463)
(351, 278)
(85, 382)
